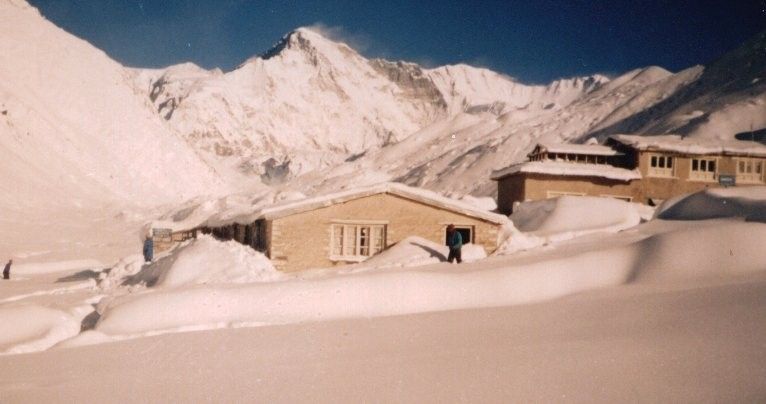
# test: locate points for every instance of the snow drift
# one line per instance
(30, 328)
(537, 223)
(204, 260)
(745, 202)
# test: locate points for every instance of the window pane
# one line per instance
(711, 166)
(337, 240)
(758, 167)
(749, 167)
(349, 240)
(364, 241)
(378, 239)
(654, 161)
(670, 162)
(695, 165)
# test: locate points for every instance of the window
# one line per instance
(661, 166)
(355, 242)
(750, 170)
(466, 234)
(703, 169)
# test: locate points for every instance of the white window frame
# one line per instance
(661, 168)
(556, 194)
(350, 246)
(749, 175)
(704, 175)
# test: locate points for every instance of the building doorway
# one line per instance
(466, 233)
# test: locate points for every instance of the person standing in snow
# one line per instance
(148, 249)
(7, 270)
(455, 243)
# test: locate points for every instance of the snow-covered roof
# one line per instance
(401, 190)
(569, 169)
(688, 145)
(589, 149)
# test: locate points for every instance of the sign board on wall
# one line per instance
(727, 180)
(162, 233)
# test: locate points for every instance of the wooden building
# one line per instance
(646, 169)
(351, 226)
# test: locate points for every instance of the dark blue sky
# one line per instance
(534, 40)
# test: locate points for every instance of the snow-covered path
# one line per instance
(679, 341)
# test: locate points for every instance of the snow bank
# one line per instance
(204, 260)
(714, 249)
(32, 328)
(566, 217)
(416, 251)
(745, 202)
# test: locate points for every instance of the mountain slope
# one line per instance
(72, 126)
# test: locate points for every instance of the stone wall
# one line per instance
(302, 240)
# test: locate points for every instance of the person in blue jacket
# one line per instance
(148, 249)
(455, 243)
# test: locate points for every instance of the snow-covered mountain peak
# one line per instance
(309, 43)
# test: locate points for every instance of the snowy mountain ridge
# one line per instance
(309, 94)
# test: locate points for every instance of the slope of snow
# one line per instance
(74, 127)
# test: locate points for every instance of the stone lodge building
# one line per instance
(351, 226)
(645, 169)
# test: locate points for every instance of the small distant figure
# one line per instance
(148, 249)
(7, 270)
(455, 243)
